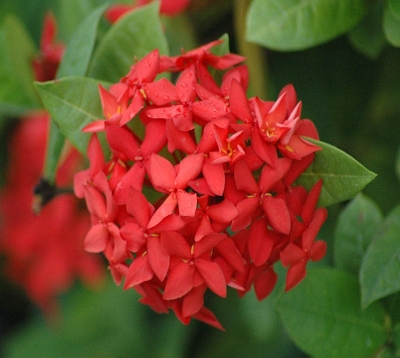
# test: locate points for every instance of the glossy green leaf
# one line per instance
(71, 13)
(368, 37)
(380, 269)
(289, 25)
(134, 35)
(324, 318)
(16, 73)
(79, 51)
(72, 102)
(391, 27)
(356, 227)
(343, 177)
(75, 62)
(394, 6)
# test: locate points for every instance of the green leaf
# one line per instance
(368, 37)
(394, 6)
(343, 177)
(71, 13)
(323, 316)
(72, 102)
(380, 269)
(16, 74)
(397, 165)
(134, 35)
(75, 62)
(107, 322)
(391, 26)
(79, 51)
(356, 226)
(289, 25)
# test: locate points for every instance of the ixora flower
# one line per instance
(206, 197)
(167, 7)
(43, 253)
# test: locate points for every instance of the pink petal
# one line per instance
(138, 206)
(246, 209)
(158, 259)
(179, 281)
(96, 239)
(223, 212)
(260, 244)
(264, 284)
(291, 254)
(238, 102)
(244, 178)
(162, 173)
(231, 254)
(266, 151)
(179, 140)
(167, 208)
(277, 214)
(193, 301)
(174, 244)
(139, 271)
(212, 275)
(189, 169)
(295, 274)
(214, 175)
(160, 92)
(207, 243)
(187, 203)
(134, 236)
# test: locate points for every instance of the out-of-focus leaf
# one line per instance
(391, 26)
(394, 6)
(180, 33)
(79, 51)
(289, 25)
(134, 35)
(343, 177)
(368, 37)
(72, 102)
(16, 73)
(71, 13)
(356, 226)
(380, 269)
(324, 318)
(75, 62)
(106, 322)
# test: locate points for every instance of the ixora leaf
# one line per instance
(391, 26)
(324, 318)
(16, 74)
(356, 227)
(79, 51)
(134, 35)
(72, 102)
(289, 25)
(75, 62)
(368, 37)
(380, 269)
(343, 177)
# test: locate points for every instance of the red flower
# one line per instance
(200, 194)
(46, 63)
(44, 252)
(168, 7)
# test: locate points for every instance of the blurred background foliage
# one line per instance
(350, 87)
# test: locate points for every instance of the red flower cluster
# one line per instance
(167, 7)
(46, 63)
(43, 253)
(199, 192)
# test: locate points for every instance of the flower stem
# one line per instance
(256, 56)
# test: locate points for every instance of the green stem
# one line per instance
(256, 56)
